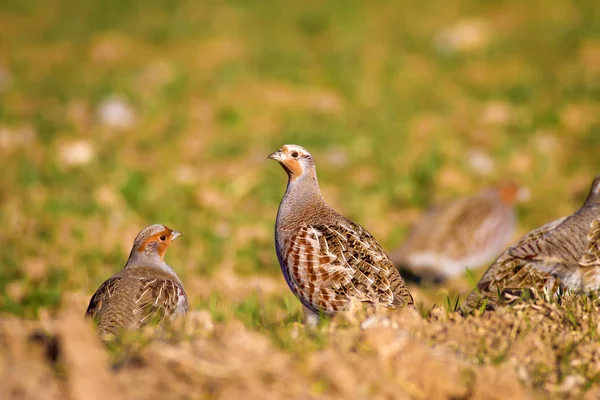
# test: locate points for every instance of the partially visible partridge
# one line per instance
(327, 259)
(562, 254)
(464, 233)
(146, 289)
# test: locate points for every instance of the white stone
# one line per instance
(116, 112)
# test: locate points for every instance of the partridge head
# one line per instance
(146, 289)
(150, 245)
(296, 162)
(327, 259)
(509, 192)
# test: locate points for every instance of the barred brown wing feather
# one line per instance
(539, 233)
(591, 257)
(529, 244)
(158, 299)
(315, 273)
(338, 262)
(512, 273)
(99, 299)
(381, 279)
(508, 276)
(508, 270)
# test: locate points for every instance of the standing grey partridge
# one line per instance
(466, 232)
(327, 259)
(146, 289)
(561, 254)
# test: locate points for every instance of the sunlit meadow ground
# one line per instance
(118, 114)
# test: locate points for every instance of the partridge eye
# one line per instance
(295, 154)
(163, 238)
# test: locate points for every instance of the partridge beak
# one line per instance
(175, 235)
(276, 155)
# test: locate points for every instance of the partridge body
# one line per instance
(327, 259)
(146, 289)
(467, 232)
(561, 254)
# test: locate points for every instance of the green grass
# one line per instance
(216, 86)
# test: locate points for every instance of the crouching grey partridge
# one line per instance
(464, 233)
(561, 254)
(327, 259)
(146, 289)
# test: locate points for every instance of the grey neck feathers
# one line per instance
(301, 201)
(148, 259)
(594, 195)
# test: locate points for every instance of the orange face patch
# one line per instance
(508, 193)
(294, 167)
(162, 239)
(290, 163)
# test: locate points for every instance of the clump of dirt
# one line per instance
(27, 368)
(552, 346)
(530, 350)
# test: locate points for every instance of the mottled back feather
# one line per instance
(563, 254)
(509, 273)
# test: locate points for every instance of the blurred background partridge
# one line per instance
(464, 233)
(561, 254)
(147, 288)
(327, 259)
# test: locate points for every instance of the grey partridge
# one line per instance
(464, 233)
(146, 289)
(563, 254)
(327, 259)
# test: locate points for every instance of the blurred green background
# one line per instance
(118, 114)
